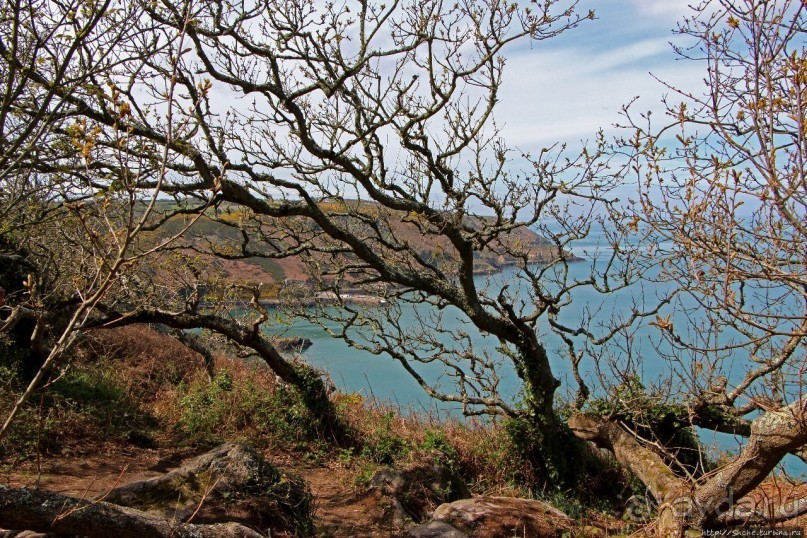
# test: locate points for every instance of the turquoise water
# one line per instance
(381, 377)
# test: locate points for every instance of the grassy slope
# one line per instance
(135, 402)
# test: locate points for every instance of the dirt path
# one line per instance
(341, 509)
(89, 476)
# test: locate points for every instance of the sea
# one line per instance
(380, 378)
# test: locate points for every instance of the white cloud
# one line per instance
(566, 89)
(664, 8)
(630, 55)
(566, 95)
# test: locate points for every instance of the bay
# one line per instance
(380, 377)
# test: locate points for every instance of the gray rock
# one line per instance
(207, 485)
(439, 482)
(416, 490)
(389, 481)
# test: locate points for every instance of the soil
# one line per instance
(341, 508)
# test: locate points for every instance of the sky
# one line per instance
(566, 88)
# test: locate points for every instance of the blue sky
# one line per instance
(564, 89)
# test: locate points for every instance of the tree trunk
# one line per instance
(540, 383)
(41, 511)
(688, 505)
(773, 435)
(552, 450)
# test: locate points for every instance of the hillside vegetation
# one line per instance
(221, 232)
(136, 403)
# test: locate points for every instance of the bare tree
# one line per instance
(724, 199)
(74, 241)
(365, 143)
(360, 137)
(85, 213)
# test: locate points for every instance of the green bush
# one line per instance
(436, 441)
(206, 407)
(228, 407)
(21, 439)
(11, 358)
(82, 404)
(382, 445)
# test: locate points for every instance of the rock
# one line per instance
(417, 489)
(232, 483)
(493, 517)
(435, 529)
(590, 531)
(388, 480)
(443, 484)
(293, 343)
(46, 513)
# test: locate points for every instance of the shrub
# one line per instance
(243, 403)
(84, 403)
(383, 445)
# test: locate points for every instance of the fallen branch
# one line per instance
(710, 501)
(780, 514)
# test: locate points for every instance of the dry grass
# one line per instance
(481, 451)
(144, 360)
(179, 405)
(168, 397)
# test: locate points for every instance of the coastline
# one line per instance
(332, 298)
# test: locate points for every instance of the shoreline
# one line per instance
(331, 298)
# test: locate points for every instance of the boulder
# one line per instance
(435, 529)
(292, 343)
(46, 514)
(493, 517)
(230, 483)
(417, 489)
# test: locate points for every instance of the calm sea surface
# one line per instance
(380, 377)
